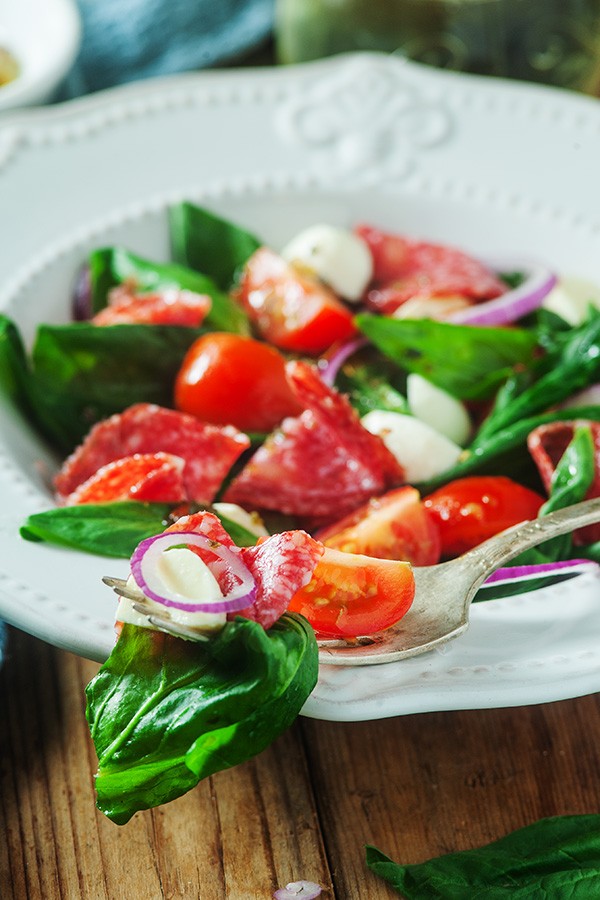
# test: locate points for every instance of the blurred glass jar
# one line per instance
(552, 41)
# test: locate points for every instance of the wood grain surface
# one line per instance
(415, 787)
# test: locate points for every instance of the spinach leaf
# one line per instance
(556, 857)
(467, 361)
(114, 265)
(111, 529)
(207, 243)
(83, 373)
(166, 713)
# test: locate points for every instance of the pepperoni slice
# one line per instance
(169, 307)
(547, 444)
(208, 451)
(281, 566)
(404, 269)
(147, 477)
(320, 464)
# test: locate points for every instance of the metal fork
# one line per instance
(443, 593)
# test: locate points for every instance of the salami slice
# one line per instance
(281, 565)
(208, 451)
(321, 464)
(547, 445)
(405, 269)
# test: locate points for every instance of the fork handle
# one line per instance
(501, 548)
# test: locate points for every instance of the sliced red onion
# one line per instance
(298, 890)
(144, 568)
(81, 301)
(514, 304)
(329, 368)
(511, 574)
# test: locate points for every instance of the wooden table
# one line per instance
(414, 786)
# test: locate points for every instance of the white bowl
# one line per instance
(44, 37)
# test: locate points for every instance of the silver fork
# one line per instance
(443, 593)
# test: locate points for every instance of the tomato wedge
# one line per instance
(351, 595)
(470, 510)
(290, 308)
(393, 526)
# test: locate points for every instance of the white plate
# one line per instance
(502, 169)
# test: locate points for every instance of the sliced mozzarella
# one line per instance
(571, 297)
(251, 521)
(337, 256)
(421, 450)
(184, 572)
(438, 408)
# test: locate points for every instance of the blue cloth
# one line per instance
(128, 40)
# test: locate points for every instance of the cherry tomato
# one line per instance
(229, 379)
(290, 308)
(470, 510)
(351, 595)
(394, 526)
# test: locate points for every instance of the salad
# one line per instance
(275, 438)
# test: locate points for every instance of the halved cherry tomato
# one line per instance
(291, 309)
(228, 379)
(470, 510)
(351, 595)
(394, 526)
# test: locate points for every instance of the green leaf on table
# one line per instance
(111, 529)
(166, 713)
(367, 389)
(556, 858)
(467, 361)
(111, 266)
(207, 243)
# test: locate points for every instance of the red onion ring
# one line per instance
(525, 573)
(145, 573)
(298, 890)
(329, 368)
(512, 305)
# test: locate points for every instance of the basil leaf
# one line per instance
(114, 265)
(574, 365)
(467, 361)
(556, 857)
(501, 452)
(165, 713)
(108, 529)
(14, 367)
(203, 241)
(83, 373)
(112, 529)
